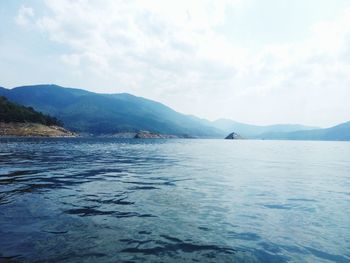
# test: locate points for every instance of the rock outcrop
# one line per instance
(233, 136)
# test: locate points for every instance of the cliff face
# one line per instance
(33, 130)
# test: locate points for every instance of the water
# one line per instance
(107, 200)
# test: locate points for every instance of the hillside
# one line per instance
(18, 120)
(12, 112)
(84, 111)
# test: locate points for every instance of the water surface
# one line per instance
(109, 200)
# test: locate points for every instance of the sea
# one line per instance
(174, 200)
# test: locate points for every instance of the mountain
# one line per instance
(84, 111)
(255, 131)
(101, 114)
(339, 132)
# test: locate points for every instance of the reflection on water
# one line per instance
(111, 200)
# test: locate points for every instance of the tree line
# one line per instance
(12, 112)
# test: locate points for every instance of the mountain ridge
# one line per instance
(110, 113)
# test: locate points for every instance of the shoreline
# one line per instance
(28, 129)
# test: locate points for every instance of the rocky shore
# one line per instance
(144, 135)
(151, 135)
(33, 130)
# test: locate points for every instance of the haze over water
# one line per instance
(109, 200)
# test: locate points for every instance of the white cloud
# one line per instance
(171, 51)
(25, 16)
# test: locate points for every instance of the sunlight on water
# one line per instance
(109, 200)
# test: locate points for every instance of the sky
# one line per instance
(253, 61)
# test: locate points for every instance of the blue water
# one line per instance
(108, 200)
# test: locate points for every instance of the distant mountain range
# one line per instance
(339, 132)
(254, 131)
(88, 112)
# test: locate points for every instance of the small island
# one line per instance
(233, 136)
(18, 120)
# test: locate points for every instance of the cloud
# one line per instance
(25, 16)
(140, 38)
(172, 51)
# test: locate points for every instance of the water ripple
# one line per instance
(108, 200)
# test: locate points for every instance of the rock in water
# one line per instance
(233, 136)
